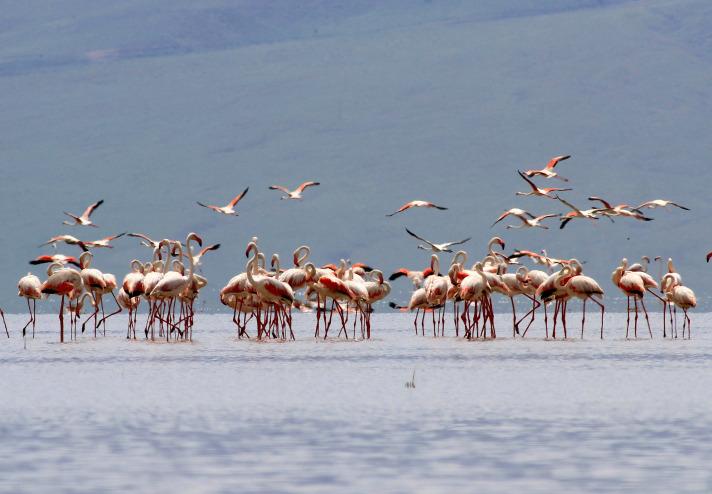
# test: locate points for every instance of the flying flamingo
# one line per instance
(148, 242)
(229, 209)
(60, 258)
(532, 222)
(513, 212)
(619, 210)
(83, 220)
(67, 239)
(589, 214)
(660, 203)
(548, 170)
(62, 282)
(104, 242)
(197, 257)
(536, 191)
(30, 287)
(293, 194)
(444, 247)
(416, 204)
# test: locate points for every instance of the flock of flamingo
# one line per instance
(267, 297)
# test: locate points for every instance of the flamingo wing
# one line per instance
(303, 186)
(208, 249)
(279, 187)
(405, 206)
(238, 198)
(605, 203)
(459, 243)
(420, 238)
(209, 206)
(531, 184)
(555, 161)
(88, 211)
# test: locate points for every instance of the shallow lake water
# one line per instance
(227, 415)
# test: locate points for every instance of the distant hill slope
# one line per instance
(153, 108)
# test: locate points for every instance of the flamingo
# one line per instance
(436, 290)
(589, 214)
(173, 283)
(328, 285)
(444, 247)
(104, 242)
(473, 289)
(536, 191)
(416, 277)
(272, 291)
(130, 304)
(682, 297)
(517, 284)
(83, 220)
(148, 242)
(110, 286)
(30, 287)
(632, 285)
(202, 252)
(548, 170)
(583, 288)
(513, 212)
(660, 203)
(532, 222)
(552, 289)
(133, 281)
(417, 204)
(377, 289)
(619, 210)
(418, 302)
(94, 283)
(229, 209)
(293, 194)
(62, 282)
(67, 239)
(60, 258)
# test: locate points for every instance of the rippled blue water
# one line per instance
(221, 415)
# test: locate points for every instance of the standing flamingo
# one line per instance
(632, 285)
(584, 288)
(30, 287)
(682, 297)
(62, 282)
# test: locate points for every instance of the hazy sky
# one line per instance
(154, 107)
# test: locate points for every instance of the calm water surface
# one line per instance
(222, 415)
